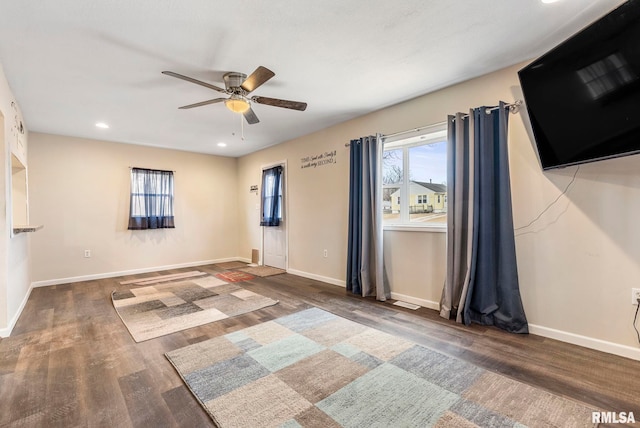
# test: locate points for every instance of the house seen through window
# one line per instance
(414, 177)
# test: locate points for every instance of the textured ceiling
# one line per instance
(72, 63)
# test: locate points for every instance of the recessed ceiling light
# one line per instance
(549, 1)
(222, 144)
(102, 125)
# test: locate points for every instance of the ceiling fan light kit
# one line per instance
(237, 104)
(238, 86)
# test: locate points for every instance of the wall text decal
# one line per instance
(321, 159)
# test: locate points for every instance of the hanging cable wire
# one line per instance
(552, 203)
(635, 318)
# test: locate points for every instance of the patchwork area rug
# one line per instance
(234, 276)
(165, 308)
(262, 270)
(163, 278)
(313, 368)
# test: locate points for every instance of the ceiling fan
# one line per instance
(238, 86)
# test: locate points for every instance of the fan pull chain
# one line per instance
(242, 127)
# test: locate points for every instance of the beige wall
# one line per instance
(318, 197)
(14, 251)
(315, 200)
(577, 263)
(415, 263)
(79, 191)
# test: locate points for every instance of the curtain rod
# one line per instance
(513, 107)
(408, 131)
(152, 169)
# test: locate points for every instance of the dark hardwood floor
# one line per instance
(70, 362)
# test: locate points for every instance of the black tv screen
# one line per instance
(583, 96)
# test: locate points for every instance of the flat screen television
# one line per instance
(583, 96)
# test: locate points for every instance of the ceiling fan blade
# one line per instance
(257, 78)
(192, 80)
(204, 103)
(251, 117)
(293, 105)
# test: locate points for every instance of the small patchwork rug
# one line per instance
(234, 276)
(313, 368)
(263, 270)
(165, 308)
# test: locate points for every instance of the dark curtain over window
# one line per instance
(365, 263)
(271, 196)
(151, 199)
(482, 276)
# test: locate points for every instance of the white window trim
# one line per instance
(405, 140)
(417, 228)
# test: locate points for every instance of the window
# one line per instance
(414, 170)
(151, 204)
(271, 196)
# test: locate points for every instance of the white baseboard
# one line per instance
(6, 332)
(342, 283)
(131, 272)
(563, 336)
(338, 282)
(416, 301)
(587, 342)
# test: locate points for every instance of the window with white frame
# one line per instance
(151, 201)
(414, 177)
(272, 196)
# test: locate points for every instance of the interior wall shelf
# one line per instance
(26, 228)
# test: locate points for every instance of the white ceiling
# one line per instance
(72, 63)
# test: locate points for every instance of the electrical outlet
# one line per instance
(87, 253)
(325, 254)
(635, 295)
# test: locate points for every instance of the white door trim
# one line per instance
(286, 211)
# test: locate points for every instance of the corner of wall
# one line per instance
(14, 253)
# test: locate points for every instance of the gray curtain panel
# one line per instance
(481, 284)
(365, 263)
(460, 168)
